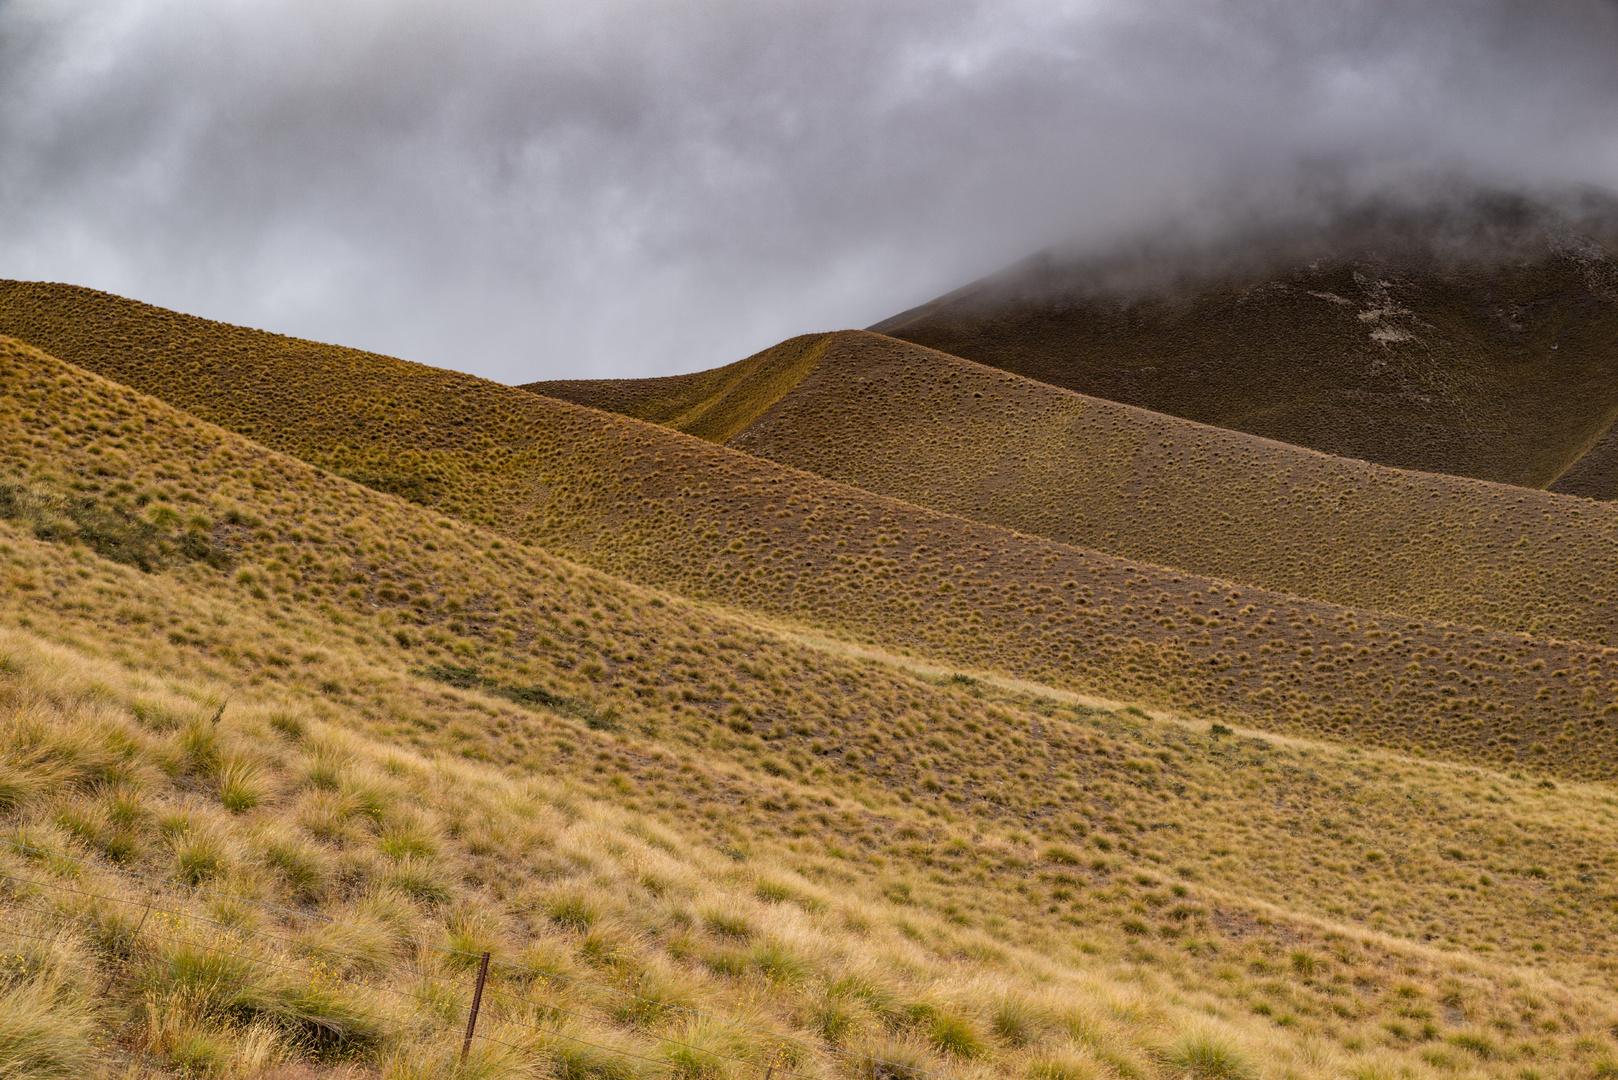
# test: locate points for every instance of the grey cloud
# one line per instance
(531, 190)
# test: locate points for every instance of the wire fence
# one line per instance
(514, 1008)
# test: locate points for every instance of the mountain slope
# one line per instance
(714, 405)
(1479, 341)
(833, 850)
(662, 508)
(958, 437)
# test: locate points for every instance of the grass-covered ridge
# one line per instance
(669, 510)
(937, 431)
(714, 405)
(966, 880)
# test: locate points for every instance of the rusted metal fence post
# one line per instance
(477, 1000)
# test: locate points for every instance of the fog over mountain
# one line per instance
(533, 190)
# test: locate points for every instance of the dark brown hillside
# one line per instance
(663, 508)
(1483, 344)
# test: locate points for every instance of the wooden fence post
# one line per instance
(472, 1014)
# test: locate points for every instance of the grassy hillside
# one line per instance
(224, 667)
(714, 405)
(669, 510)
(1480, 345)
(933, 430)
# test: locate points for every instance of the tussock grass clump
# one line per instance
(728, 922)
(890, 1057)
(1017, 1021)
(241, 785)
(44, 1031)
(1204, 1056)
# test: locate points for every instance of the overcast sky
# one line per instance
(528, 189)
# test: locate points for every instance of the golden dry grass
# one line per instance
(937, 431)
(672, 511)
(714, 405)
(976, 881)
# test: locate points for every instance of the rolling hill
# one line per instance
(698, 846)
(666, 509)
(937, 431)
(1478, 339)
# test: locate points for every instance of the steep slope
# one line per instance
(825, 854)
(937, 431)
(1479, 340)
(666, 509)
